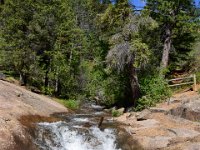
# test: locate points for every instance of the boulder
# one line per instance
(143, 115)
(189, 110)
(2, 76)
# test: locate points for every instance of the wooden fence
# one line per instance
(180, 81)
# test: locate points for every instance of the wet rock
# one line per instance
(143, 115)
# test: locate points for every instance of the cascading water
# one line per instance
(78, 132)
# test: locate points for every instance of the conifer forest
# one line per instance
(109, 51)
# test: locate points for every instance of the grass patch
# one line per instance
(70, 103)
(11, 80)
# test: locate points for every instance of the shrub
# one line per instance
(47, 90)
(11, 79)
(199, 91)
(154, 89)
(198, 77)
(116, 113)
(71, 103)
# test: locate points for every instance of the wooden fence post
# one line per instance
(195, 83)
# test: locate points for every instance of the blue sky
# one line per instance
(141, 3)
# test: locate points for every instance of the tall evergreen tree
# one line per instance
(176, 19)
(126, 46)
(69, 49)
(15, 17)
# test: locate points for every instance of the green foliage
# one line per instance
(76, 48)
(47, 90)
(199, 91)
(70, 103)
(116, 113)
(154, 89)
(11, 79)
(104, 84)
(181, 20)
(198, 77)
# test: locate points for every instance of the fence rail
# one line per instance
(194, 82)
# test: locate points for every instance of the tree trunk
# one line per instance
(135, 88)
(46, 81)
(166, 48)
(1, 2)
(57, 80)
(57, 85)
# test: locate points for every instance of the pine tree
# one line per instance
(176, 19)
(43, 36)
(127, 49)
(15, 17)
(69, 48)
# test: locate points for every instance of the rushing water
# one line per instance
(78, 132)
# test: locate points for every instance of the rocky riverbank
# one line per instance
(18, 108)
(172, 125)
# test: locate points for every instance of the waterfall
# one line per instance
(60, 136)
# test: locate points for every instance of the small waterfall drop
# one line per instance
(73, 134)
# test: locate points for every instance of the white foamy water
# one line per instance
(99, 113)
(58, 136)
(97, 106)
(81, 119)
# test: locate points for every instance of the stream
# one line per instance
(79, 131)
